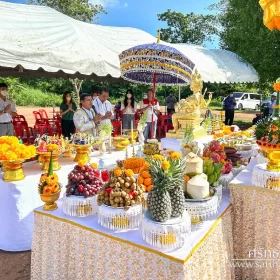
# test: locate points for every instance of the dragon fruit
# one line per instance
(215, 157)
(227, 168)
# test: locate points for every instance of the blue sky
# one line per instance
(142, 14)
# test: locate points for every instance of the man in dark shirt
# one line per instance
(229, 106)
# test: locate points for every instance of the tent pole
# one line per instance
(154, 90)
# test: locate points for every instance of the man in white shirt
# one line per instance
(150, 105)
(85, 119)
(103, 106)
(7, 112)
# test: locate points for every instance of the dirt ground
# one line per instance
(16, 266)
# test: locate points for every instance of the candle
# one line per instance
(121, 128)
(131, 131)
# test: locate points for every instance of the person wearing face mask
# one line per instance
(67, 110)
(229, 106)
(7, 112)
(128, 109)
(103, 106)
(85, 119)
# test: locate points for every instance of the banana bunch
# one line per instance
(212, 170)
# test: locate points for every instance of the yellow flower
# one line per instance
(43, 177)
(117, 172)
(94, 165)
(52, 180)
(165, 165)
(81, 163)
(52, 147)
(175, 155)
(158, 157)
(129, 173)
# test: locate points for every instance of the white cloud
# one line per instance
(125, 5)
(105, 3)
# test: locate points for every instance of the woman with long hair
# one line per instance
(128, 109)
(67, 110)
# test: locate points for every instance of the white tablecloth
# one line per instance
(19, 199)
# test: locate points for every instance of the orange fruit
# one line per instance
(146, 174)
(149, 188)
(147, 181)
(140, 180)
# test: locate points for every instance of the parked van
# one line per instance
(247, 100)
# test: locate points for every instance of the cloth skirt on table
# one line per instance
(127, 118)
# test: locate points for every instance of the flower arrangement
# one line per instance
(49, 182)
(135, 164)
(47, 143)
(267, 133)
(11, 149)
(105, 131)
(142, 122)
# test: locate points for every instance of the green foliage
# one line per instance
(187, 28)
(36, 98)
(243, 32)
(261, 128)
(81, 10)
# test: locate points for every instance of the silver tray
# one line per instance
(201, 199)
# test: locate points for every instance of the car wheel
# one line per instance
(257, 108)
(240, 107)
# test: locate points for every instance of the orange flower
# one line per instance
(274, 128)
(47, 191)
(187, 178)
(117, 172)
(274, 136)
(276, 86)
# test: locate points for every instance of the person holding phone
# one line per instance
(7, 112)
(103, 106)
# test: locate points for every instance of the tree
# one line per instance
(189, 28)
(244, 33)
(78, 9)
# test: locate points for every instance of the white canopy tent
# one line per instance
(41, 42)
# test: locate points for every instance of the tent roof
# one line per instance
(41, 42)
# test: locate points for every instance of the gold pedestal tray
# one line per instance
(82, 152)
(13, 170)
(46, 156)
(50, 200)
(134, 136)
(120, 143)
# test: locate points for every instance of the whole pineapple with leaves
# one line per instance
(166, 199)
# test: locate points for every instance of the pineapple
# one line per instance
(166, 199)
(177, 201)
(159, 204)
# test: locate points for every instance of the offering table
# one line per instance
(19, 199)
(79, 248)
(255, 228)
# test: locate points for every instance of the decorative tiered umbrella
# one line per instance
(155, 64)
(271, 16)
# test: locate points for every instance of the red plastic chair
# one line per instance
(162, 124)
(42, 126)
(23, 132)
(116, 125)
(118, 114)
(19, 118)
(43, 114)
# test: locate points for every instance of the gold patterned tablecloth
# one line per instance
(256, 238)
(66, 250)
